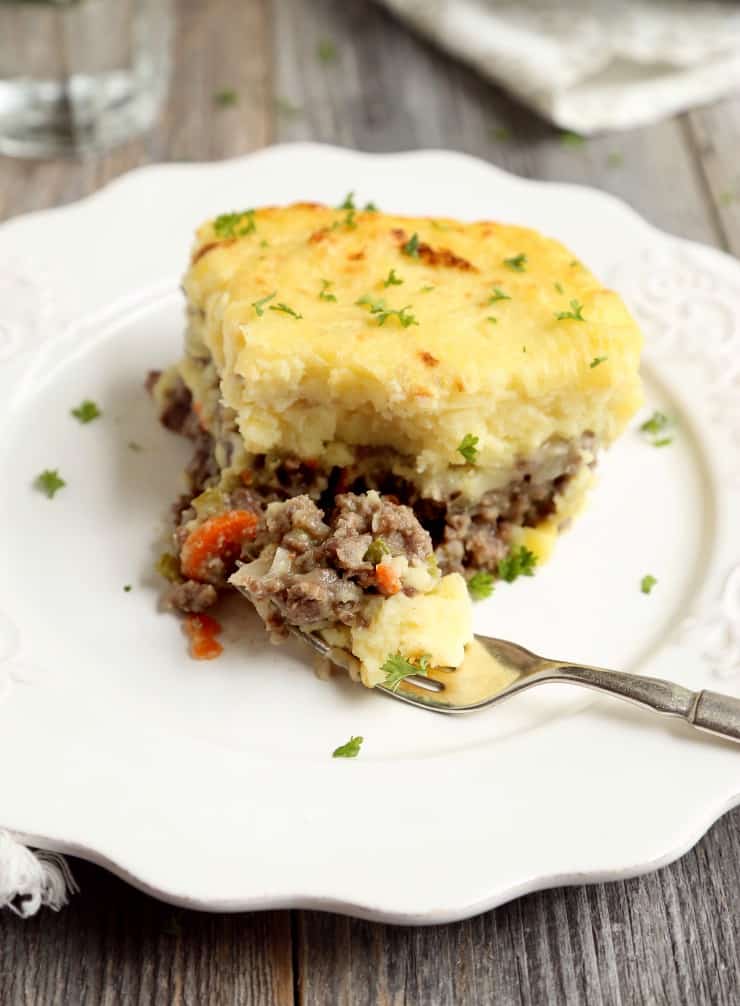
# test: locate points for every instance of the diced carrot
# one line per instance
(202, 630)
(198, 409)
(387, 579)
(221, 536)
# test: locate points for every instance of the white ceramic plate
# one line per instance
(212, 785)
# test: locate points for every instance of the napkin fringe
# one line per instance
(31, 879)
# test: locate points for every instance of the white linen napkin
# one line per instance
(592, 65)
(29, 879)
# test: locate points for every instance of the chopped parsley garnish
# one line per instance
(614, 160)
(134, 446)
(726, 198)
(327, 51)
(127, 587)
(524, 349)
(398, 667)
(382, 313)
(348, 203)
(439, 226)
(426, 289)
(480, 585)
(499, 133)
(324, 292)
(492, 318)
(411, 248)
(370, 208)
(286, 107)
(235, 225)
(376, 550)
(657, 428)
(559, 287)
(226, 97)
(284, 309)
(518, 263)
(519, 562)
(647, 583)
(572, 140)
(597, 360)
(349, 219)
(392, 279)
(86, 411)
(349, 750)
(468, 447)
(259, 305)
(49, 482)
(498, 295)
(575, 313)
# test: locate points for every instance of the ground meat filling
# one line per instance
(310, 572)
(330, 557)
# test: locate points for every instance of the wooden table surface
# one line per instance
(670, 937)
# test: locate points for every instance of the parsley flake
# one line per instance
(284, 309)
(127, 587)
(519, 562)
(235, 225)
(259, 305)
(349, 219)
(286, 107)
(411, 248)
(492, 318)
(518, 263)
(468, 447)
(647, 583)
(398, 667)
(348, 203)
(480, 585)
(392, 279)
(382, 313)
(327, 51)
(499, 133)
(370, 208)
(426, 289)
(134, 446)
(498, 295)
(597, 360)
(572, 140)
(726, 198)
(575, 313)
(49, 482)
(349, 750)
(86, 411)
(226, 97)
(657, 429)
(324, 292)
(559, 287)
(376, 550)
(614, 160)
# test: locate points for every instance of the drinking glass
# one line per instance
(80, 75)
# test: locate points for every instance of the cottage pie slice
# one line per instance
(349, 364)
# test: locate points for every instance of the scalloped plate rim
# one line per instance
(701, 820)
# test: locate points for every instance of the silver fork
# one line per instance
(495, 669)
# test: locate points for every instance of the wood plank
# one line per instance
(219, 45)
(114, 945)
(715, 133)
(670, 937)
(664, 938)
(389, 90)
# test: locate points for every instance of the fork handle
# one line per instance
(710, 711)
